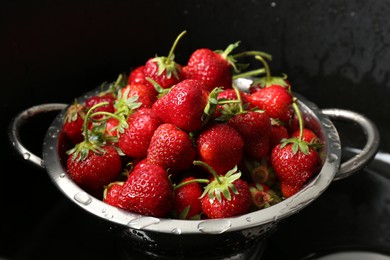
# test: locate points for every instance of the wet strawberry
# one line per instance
(171, 148)
(135, 139)
(164, 70)
(187, 204)
(220, 146)
(255, 129)
(73, 122)
(278, 133)
(94, 100)
(183, 106)
(137, 76)
(226, 195)
(111, 193)
(147, 191)
(146, 93)
(213, 68)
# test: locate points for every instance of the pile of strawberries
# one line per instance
(182, 141)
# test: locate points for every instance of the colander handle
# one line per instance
(18, 121)
(371, 147)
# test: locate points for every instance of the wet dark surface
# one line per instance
(334, 52)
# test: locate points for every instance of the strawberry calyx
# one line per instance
(167, 64)
(125, 104)
(74, 111)
(263, 196)
(113, 88)
(269, 80)
(91, 142)
(220, 185)
(160, 90)
(225, 54)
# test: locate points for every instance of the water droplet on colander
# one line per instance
(104, 210)
(333, 136)
(108, 216)
(214, 226)
(332, 158)
(83, 198)
(62, 175)
(176, 231)
(143, 222)
(26, 156)
(326, 123)
(53, 132)
(248, 219)
(336, 145)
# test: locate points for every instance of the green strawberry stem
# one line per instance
(253, 53)
(228, 50)
(170, 55)
(209, 168)
(87, 117)
(238, 95)
(249, 73)
(190, 181)
(299, 115)
(161, 91)
(266, 67)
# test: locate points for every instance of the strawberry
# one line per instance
(220, 146)
(171, 148)
(147, 191)
(294, 163)
(137, 75)
(183, 106)
(278, 133)
(255, 129)
(111, 193)
(146, 93)
(164, 70)
(92, 163)
(275, 100)
(73, 122)
(135, 139)
(307, 135)
(294, 160)
(225, 109)
(96, 99)
(186, 198)
(93, 166)
(226, 195)
(213, 68)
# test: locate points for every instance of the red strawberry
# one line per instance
(278, 133)
(255, 129)
(171, 148)
(94, 100)
(275, 100)
(226, 196)
(146, 93)
(214, 68)
(73, 122)
(225, 109)
(137, 75)
(111, 193)
(92, 166)
(220, 146)
(186, 198)
(294, 163)
(147, 191)
(164, 70)
(307, 135)
(183, 106)
(135, 139)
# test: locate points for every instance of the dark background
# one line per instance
(336, 54)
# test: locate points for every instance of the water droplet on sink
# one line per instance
(214, 226)
(143, 222)
(83, 198)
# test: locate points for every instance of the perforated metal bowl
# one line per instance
(235, 238)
